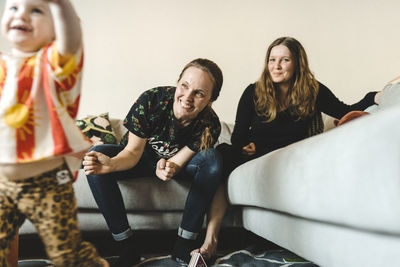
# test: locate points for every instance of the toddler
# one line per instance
(40, 145)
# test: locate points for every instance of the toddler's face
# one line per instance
(27, 24)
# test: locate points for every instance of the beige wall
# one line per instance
(131, 45)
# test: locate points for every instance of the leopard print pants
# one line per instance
(48, 201)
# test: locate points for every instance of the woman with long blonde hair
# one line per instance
(284, 106)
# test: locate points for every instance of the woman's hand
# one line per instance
(96, 163)
(249, 150)
(166, 169)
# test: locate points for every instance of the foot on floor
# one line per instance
(129, 253)
(182, 249)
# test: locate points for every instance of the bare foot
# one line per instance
(208, 249)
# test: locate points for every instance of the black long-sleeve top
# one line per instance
(285, 129)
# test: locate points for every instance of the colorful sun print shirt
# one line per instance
(38, 105)
(152, 117)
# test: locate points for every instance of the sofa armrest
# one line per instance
(348, 176)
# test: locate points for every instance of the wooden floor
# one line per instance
(153, 242)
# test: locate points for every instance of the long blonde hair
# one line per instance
(216, 76)
(302, 92)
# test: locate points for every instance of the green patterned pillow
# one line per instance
(98, 129)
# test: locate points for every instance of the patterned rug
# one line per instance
(242, 258)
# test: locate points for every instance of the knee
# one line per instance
(104, 149)
(110, 150)
(212, 163)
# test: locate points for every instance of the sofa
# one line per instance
(151, 204)
(332, 198)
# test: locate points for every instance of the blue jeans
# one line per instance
(204, 170)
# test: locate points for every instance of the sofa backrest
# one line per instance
(118, 128)
(390, 97)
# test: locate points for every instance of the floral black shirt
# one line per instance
(152, 117)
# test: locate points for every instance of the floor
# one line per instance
(153, 243)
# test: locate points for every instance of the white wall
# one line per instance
(132, 45)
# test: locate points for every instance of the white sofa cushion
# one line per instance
(140, 194)
(325, 244)
(349, 175)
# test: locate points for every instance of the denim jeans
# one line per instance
(204, 170)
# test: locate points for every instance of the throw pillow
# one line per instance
(350, 116)
(98, 129)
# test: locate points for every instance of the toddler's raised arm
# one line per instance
(66, 26)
